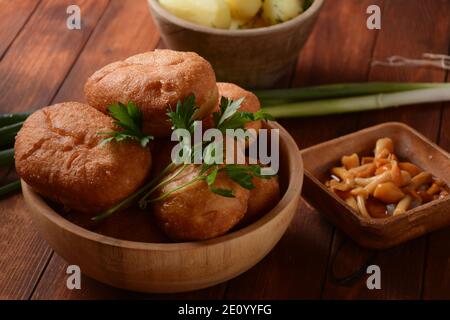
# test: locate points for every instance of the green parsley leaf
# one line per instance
(129, 119)
(229, 116)
(135, 114)
(125, 116)
(241, 175)
(307, 4)
(228, 108)
(223, 192)
(184, 115)
(262, 115)
(211, 178)
(255, 170)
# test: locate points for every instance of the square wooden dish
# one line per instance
(377, 233)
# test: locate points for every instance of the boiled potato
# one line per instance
(277, 11)
(244, 10)
(211, 13)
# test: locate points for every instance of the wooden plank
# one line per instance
(401, 267)
(14, 15)
(437, 273)
(103, 48)
(53, 286)
(332, 56)
(296, 268)
(40, 58)
(30, 74)
(23, 252)
(111, 42)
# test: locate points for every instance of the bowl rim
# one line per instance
(311, 11)
(292, 193)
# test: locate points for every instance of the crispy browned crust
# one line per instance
(263, 197)
(57, 152)
(195, 213)
(154, 81)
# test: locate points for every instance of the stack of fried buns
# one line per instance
(59, 154)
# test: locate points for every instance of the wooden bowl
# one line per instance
(252, 58)
(171, 267)
(391, 231)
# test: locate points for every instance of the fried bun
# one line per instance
(194, 212)
(155, 81)
(58, 153)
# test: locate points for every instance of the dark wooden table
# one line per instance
(42, 62)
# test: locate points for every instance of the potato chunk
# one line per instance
(212, 13)
(277, 11)
(244, 10)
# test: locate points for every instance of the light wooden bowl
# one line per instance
(252, 58)
(172, 267)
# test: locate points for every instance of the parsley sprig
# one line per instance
(241, 174)
(229, 116)
(183, 117)
(129, 119)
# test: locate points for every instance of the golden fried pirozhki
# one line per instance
(58, 153)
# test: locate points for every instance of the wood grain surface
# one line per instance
(436, 281)
(406, 37)
(44, 49)
(42, 62)
(15, 15)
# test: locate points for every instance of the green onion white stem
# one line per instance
(357, 104)
(143, 201)
(184, 185)
(271, 97)
(129, 200)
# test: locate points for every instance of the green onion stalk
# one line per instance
(6, 157)
(9, 188)
(10, 124)
(12, 118)
(358, 103)
(8, 133)
(6, 160)
(142, 192)
(344, 90)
